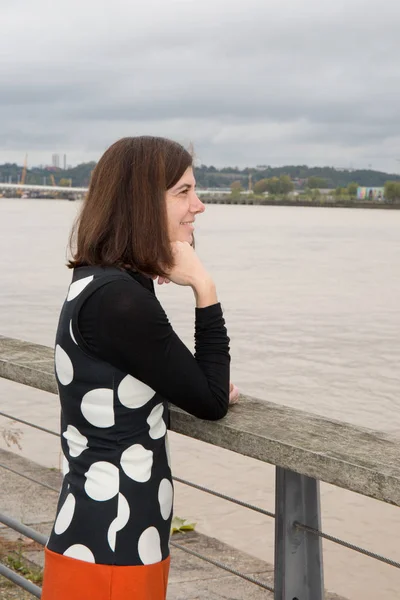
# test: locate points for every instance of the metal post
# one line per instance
(298, 554)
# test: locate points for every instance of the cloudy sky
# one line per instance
(246, 81)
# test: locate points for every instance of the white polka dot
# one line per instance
(149, 546)
(137, 463)
(77, 442)
(165, 498)
(98, 407)
(78, 286)
(64, 368)
(65, 466)
(133, 393)
(102, 481)
(119, 522)
(167, 450)
(65, 515)
(156, 422)
(72, 333)
(80, 552)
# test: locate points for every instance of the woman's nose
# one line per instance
(198, 206)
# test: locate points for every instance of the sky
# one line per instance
(246, 82)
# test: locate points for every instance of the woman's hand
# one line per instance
(161, 280)
(188, 269)
(233, 394)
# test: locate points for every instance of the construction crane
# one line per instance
(53, 183)
(19, 192)
(24, 170)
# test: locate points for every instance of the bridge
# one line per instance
(83, 190)
(42, 188)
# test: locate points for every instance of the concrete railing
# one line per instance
(304, 448)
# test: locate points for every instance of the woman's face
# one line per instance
(182, 207)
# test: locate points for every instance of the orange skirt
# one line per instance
(70, 579)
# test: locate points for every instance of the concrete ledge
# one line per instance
(26, 363)
(354, 458)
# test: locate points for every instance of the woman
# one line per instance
(118, 363)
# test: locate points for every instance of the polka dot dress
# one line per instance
(115, 505)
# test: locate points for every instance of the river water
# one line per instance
(312, 303)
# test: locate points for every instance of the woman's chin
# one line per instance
(187, 237)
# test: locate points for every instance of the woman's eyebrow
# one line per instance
(181, 187)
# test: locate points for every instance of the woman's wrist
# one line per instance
(205, 292)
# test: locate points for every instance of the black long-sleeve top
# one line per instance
(124, 324)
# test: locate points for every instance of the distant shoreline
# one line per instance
(302, 203)
(265, 202)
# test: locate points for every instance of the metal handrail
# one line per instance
(41, 539)
(178, 479)
(20, 581)
(297, 525)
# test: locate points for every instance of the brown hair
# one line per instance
(123, 221)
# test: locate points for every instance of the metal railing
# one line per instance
(298, 564)
(41, 539)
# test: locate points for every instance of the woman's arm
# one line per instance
(125, 325)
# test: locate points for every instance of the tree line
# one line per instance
(283, 186)
(301, 177)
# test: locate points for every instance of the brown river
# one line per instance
(312, 302)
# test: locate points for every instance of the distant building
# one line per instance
(371, 193)
(55, 160)
(300, 182)
(65, 162)
(326, 191)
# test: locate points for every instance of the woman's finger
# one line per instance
(233, 394)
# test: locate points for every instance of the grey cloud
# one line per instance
(308, 80)
(22, 140)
